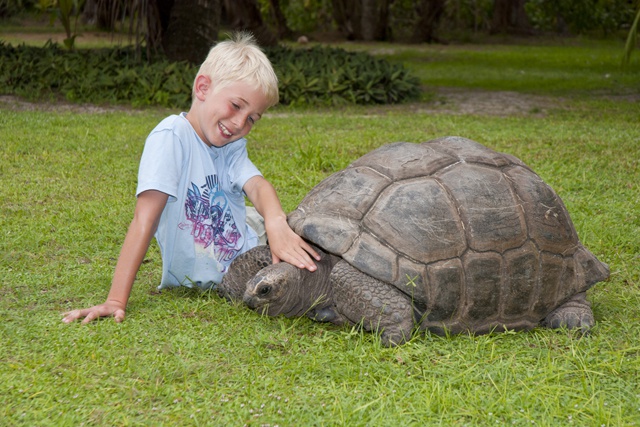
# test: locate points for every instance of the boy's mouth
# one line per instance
(223, 129)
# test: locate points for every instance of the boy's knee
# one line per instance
(256, 222)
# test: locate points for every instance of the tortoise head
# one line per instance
(275, 290)
(288, 290)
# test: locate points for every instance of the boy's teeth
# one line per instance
(225, 131)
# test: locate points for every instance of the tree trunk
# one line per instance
(245, 16)
(383, 31)
(429, 13)
(284, 32)
(192, 28)
(375, 19)
(362, 19)
(164, 12)
(369, 21)
(510, 16)
(346, 13)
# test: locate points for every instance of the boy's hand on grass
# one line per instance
(96, 312)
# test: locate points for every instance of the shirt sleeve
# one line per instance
(241, 168)
(161, 163)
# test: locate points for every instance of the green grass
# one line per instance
(541, 66)
(36, 30)
(67, 183)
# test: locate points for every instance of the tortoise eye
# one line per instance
(264, 290)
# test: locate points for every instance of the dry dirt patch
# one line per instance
(447, 101)
(15, 103)
(83, 39)
(491, 103)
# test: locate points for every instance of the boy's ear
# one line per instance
(202, 86)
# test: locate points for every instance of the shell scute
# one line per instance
(493, 217)
(469, 151)
(523, 271)
(483, 274)
(402, 160)
(549, 223)
(335, 234)
(416, 218)
(348, 193)
(551, 267)
(369, 256)
(412, 280)
(446, 291)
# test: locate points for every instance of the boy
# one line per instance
(194, 174)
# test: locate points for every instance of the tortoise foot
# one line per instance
(574, 314)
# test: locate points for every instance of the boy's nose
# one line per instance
(238, 121)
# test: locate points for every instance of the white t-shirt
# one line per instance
(203, 226)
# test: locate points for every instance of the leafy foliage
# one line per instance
(10, 8)
(68, 12)
(97, 76)
(334, 76)
(318, 75)
(580, 16)
(304, 16)
(631, 39)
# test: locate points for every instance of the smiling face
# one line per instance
(227, 114)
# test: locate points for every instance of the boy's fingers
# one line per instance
(92, 315)
(306, 261)
(312, 252)
(70, 316)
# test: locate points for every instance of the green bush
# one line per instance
(115, 75)
(10, 8)
(580, 16)
(335, 76)
(98, 76)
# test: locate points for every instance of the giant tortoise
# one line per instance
(447, 235)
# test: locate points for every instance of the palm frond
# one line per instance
(631, 40)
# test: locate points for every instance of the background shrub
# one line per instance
(114, 75)
(580, 16)
(335, 76)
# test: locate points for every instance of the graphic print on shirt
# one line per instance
(211, 220)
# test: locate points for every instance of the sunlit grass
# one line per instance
(67, 183)
(584, 67)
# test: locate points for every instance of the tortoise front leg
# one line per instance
(380, 307)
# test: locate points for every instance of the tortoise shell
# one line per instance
(473, 236)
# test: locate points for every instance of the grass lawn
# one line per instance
(34, 30)
(67, 182)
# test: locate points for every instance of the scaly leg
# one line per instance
(379, 306)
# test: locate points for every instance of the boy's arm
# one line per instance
(285, 244)
(149, 207)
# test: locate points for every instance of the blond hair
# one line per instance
(240, 59)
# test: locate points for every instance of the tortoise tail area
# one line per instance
(594, 270)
